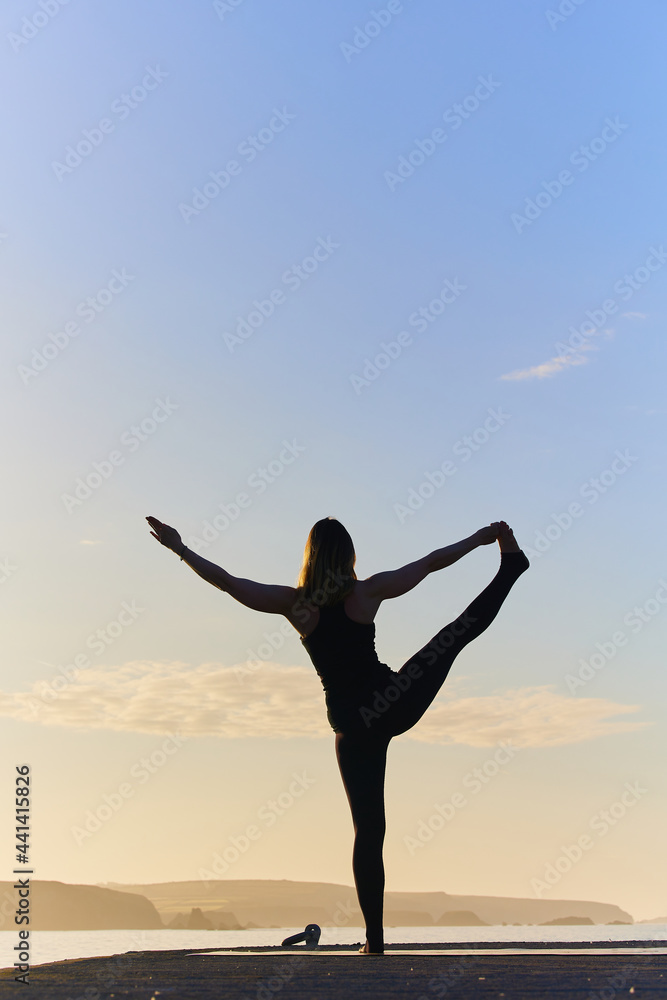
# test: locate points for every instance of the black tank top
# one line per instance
(343, 654)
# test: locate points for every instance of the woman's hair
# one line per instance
(327, 575)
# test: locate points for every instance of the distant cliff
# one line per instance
(57, 906)
(269, 903)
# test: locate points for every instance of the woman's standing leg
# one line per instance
(362, 764)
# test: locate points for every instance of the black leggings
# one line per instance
(361, 749)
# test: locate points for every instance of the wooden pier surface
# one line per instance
(407, 972)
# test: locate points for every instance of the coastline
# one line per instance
(55, 946)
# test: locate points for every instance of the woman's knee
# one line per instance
(370, 835)
(367, 807)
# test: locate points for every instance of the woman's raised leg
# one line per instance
(425, 673)
(362, 763)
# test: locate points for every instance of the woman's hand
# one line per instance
(166, 535)
(485, 536)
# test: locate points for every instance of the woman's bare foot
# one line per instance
(366, 950)
(506, 539)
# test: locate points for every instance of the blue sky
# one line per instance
(332, 128)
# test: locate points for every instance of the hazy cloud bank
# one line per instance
(279, 702)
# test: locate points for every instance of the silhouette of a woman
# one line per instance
(367, 702)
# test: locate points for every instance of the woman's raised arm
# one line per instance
(273, 599)
(396, 582)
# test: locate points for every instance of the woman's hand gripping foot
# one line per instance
(506, 539)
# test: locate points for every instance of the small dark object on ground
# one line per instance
(311, 936)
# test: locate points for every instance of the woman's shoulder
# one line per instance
(356, 605)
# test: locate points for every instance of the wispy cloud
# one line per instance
(634, 315)
(576, 355)
(548, 368)
(281, 702)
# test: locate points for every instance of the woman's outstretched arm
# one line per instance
(270, 598)
(396, 582)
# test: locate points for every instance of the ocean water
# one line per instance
(57, 946)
